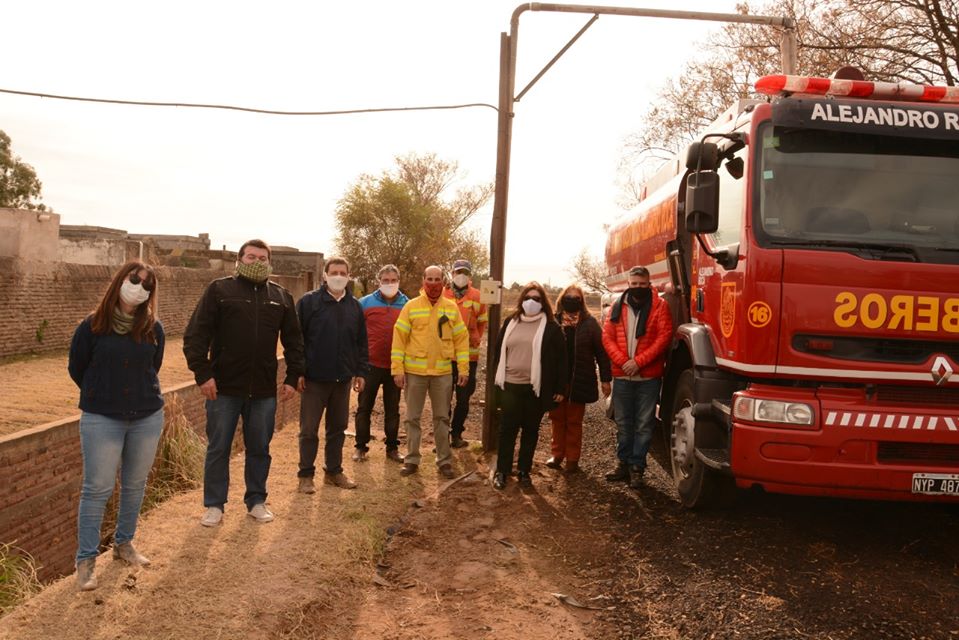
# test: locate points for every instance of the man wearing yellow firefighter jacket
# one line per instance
(427, 337)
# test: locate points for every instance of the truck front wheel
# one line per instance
(698, 485)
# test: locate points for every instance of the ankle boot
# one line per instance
(636, 476)
(125, 551)
(86, 581)
(572, 466)
(619, 474)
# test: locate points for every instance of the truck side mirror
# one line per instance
(702, 202)
(702, 156)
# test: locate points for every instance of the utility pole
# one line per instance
(504, 134)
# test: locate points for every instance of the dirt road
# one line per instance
(469, 562)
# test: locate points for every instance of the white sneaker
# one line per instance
(212, 517)
(260, 513)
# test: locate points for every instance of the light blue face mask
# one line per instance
(532, 307)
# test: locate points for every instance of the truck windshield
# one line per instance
(883, 197)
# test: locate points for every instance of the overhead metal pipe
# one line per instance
(507, 87)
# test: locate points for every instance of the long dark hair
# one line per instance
(143, 317)
(547, 307)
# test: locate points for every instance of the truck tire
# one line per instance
(699, 486)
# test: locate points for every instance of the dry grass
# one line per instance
(301, 576)
(179, 461)
(18, 577)
(37, 388)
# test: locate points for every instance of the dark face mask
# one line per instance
(640, 294)
(571, 304)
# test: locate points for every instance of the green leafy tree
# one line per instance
(408, 217)
(19, 186)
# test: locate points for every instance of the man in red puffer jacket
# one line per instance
(636, 334)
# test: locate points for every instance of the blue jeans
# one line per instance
(634, 403)
(107, 443)
(259, 416)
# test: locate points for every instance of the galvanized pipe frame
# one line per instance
(508, 48)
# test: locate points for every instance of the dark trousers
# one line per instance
(521, 414)
(222, 414)
(334, 398)
(462, 409)
(376, 378)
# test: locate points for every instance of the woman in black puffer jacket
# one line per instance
(584, 349)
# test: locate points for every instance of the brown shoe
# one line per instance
(447, 471)
(572, 466)
(305, 485)
(554, 463)
(408, 469)
(394, 455)
(339, 480)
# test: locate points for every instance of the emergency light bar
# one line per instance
(785, 85)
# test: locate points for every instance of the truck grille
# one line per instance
(875, 349)
(917, 395)
(944, 455)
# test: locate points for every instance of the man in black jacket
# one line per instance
(337, 358)
(230, 346)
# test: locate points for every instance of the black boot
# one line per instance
(619, 474)
(524, 480)
(636, 477)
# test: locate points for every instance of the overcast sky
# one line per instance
(238, 175)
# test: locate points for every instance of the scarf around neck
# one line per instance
(121, 323)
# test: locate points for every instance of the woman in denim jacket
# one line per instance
(114, 358)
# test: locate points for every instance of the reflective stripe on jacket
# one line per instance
(427, 337)
(474, 314)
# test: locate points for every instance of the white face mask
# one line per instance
(133, 294)
(389, 290)
(336, 283)
(531, 307)
(461, 280)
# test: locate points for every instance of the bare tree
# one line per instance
(890, 40)
(589, 271)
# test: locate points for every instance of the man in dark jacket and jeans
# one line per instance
(230, 346)
(334, 332)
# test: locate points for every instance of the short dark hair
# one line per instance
(640, 271)
(259, 244)
(332, 261)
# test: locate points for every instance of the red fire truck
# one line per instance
(808, 246)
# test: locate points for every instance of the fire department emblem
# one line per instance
(941, 371)
(727, 308)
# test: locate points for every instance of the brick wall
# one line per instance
(42, 303)
(40, 475)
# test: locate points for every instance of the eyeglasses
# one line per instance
(135, 278)
(529, 297)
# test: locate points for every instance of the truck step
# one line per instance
(717, 459)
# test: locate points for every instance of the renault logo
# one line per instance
(941, 370)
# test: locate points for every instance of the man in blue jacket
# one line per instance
(334, 336)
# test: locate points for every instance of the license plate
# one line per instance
(936, 483)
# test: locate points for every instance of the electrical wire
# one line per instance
(247, 109)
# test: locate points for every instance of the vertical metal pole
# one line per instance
(498, 228)
(790, 51)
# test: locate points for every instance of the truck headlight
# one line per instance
(775, 411)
